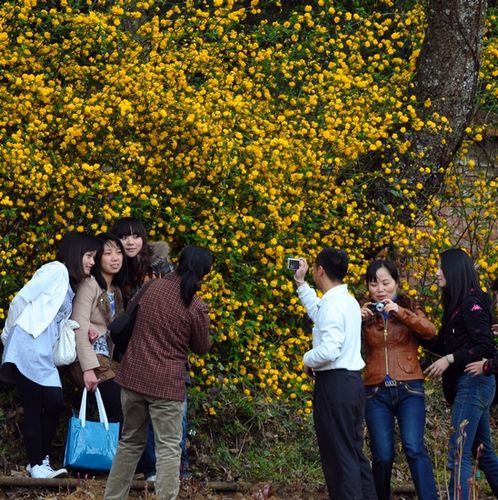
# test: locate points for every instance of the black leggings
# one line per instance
(111, 396)
(42, 408)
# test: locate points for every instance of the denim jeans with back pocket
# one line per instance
(470, 423)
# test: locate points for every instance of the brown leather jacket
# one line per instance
(401, 343)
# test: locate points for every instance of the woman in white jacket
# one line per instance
(29, 335)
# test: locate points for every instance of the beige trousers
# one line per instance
(166, 417)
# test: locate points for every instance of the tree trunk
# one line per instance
(447, 73)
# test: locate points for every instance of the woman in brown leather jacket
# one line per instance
(393, 380)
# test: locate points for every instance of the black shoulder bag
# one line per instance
(121, 327)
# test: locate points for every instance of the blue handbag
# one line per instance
(91, 445)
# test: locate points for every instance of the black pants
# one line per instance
(42, 408)
(111, 396)
(338, 409)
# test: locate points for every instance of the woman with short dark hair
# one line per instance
(392, 325)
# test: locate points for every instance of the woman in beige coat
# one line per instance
(97, 301)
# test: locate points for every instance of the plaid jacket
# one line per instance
(165, 330)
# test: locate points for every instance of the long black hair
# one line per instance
(461, 280)
(194, 263)
(70, 251)
(119, 277)
(138, 266)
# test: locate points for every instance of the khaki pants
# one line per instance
(166, 417)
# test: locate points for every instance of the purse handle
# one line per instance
(100, 407)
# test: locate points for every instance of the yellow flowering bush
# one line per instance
(256, 138)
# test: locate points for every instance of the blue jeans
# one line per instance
(147, 462)
(406, 403)
(473, 399)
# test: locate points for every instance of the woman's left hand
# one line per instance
(437, 368)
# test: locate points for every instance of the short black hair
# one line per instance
(334, 262)
(373, 267)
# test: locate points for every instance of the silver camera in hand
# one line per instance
(377, 307)
(293, 264)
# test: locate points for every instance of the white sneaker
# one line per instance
(57, 473)
(45, 461)
(44, 471)
(151, 478)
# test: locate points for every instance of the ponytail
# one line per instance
(193, 265)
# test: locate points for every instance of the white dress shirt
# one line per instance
(336, 330)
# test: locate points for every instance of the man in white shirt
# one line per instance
(334, 363)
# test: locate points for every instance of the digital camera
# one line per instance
(293, 264)
(377, 307)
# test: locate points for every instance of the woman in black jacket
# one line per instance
(465, 336)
